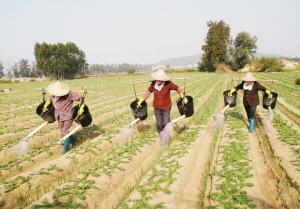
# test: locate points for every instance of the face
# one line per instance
(249, 82)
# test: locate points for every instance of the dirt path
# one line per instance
(185, 191)
(265, 192)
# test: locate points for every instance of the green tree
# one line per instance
(216, 45)
(24, 68)
(1, 70)
(244, 48)
(60, 61)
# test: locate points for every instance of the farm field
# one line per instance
(202, 167)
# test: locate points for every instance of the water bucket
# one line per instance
(49, 115)
(186, 109)
(230, 100)
(85, 119)
(141, 112)
(270, 102)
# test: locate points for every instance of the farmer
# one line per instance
(251, 87)
(63, 98)
(161, 87)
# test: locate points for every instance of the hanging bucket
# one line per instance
(85, 119)
(141, 112)
(230, 100)
(270, 102)
(186, 109)
(49, 115)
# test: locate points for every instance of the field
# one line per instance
(202, 167)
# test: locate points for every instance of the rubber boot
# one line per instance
(251, 129)
(66, 145)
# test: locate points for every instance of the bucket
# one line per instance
(230, 100)
(141, 112)
(270, 102)
(49, 115)
(186, 109)
(85, 119)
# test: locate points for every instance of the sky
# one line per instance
(143, 31)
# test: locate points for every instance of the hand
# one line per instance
(231, 92)
(269, 93)
(185, 100)
(81, 109)
(46, 105)
(139, 104)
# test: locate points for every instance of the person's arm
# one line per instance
(175, 87)
(234, 89)
(146, 95)
(264, 89)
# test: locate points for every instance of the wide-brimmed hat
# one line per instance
(249, 77)
(58, 89)
(159, 74)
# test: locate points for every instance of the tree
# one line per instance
(60, 60)
(35, 72)
(24, 68)
(216, 45)
(1, 70)
(14, 71)
(244, 50)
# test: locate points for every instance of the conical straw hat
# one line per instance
(249, 77)
(58, 89)
(159, 74)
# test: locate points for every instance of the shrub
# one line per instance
(269, 64)
(131, 71)
(297, 81)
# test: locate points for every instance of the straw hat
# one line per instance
(249, 77)
(158, 73)
(58, 89)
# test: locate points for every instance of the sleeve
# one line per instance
(75, 96)
(260, 87)
(173, 86)
(240, 86)
(151, 88)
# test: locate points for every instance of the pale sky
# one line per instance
(140, 31)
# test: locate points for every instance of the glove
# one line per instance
(46, 105)
(184, 99)
(139, 104)
(231, 91)
(81, 110)
(268, 93)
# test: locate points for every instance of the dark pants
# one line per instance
(162, 118)
(250, 110)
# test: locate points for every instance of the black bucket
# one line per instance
(49, 115)
(230, 100)
(141, 112)
(270, 102)
(186, 109)
(85, 119)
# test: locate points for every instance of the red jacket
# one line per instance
(162, 99)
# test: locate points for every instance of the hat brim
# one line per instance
(58, 89)
(160, 76)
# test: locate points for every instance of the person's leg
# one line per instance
(159, 119)
(166, 117)
(66, 145)
(252, 111)
(66, 126)
(247, 109)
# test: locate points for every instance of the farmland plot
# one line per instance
(202, 167)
